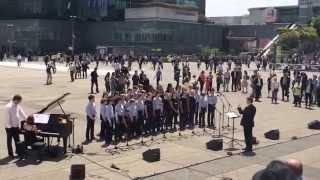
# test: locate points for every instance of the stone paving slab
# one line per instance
(177, 152)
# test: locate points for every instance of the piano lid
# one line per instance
(55, 103)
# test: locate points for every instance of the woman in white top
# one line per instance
(274, 89)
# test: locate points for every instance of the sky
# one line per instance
(240, 7)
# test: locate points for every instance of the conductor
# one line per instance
(247, 122)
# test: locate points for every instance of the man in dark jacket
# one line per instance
(247, 122)
(94, 80)
(285, 85)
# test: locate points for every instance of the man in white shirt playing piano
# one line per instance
(13, 115)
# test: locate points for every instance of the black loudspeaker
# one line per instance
(151, 155)
(314, 125)
(78, 172)
(273, 134)
(78, 149)
(21, 149)
(255, 141)
(215, 144)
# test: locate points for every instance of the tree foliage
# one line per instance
(302, 38)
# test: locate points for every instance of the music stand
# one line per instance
(233, 116)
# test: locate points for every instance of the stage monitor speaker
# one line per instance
(255, 141)
(151, 155)
(215, 144)
(78, 172)
(273, 134)
(314, 125)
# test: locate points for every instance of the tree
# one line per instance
(315, 23)
(288, 38)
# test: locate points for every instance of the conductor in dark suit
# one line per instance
(247, 122)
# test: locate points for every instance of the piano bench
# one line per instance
(38, 146)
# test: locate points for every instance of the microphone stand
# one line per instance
(223, 109)
(229, 107)
(219, 128)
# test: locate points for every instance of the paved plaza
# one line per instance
(182, 157)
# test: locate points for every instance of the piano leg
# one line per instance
(48, 144)
(65, 141)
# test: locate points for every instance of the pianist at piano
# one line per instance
(13, 115)
(47, 125)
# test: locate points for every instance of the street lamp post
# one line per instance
(73, 18)
(10, 38)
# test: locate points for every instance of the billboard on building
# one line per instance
(270, 15)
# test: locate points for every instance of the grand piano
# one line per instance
(58, 125)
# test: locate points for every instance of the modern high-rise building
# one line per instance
(141, 26)
(308, 9)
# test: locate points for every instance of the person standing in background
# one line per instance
(94, 80)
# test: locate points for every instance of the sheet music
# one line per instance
(41, 118)
(232, 114)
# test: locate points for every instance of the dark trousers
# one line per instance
(191, 118)
(158, 122)
(72, 76)
(169, 118)
(108, 132)
(297, 100)
(233, 85)
(12, 133)
(308, 98)
(94, 83)
(201, 86)
(196, 122)
(211, 112)
(140, 123)
(285, 93)
(218, 86)
(118, 128)
(102, 129)
(90, 129)
(84, 73)
(175, 120)
(149, 126)
(132, 126)
(183, 119)
(248, 137)
(202, 117)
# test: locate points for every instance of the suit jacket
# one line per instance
(248, 114)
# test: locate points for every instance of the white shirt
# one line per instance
(119, 109)
(13, 115)
(203, 102)
(140, 105)
(108, 113)
(157, 103)
(274, 85)
(132, 109)
(212, 100)
(91, 110)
